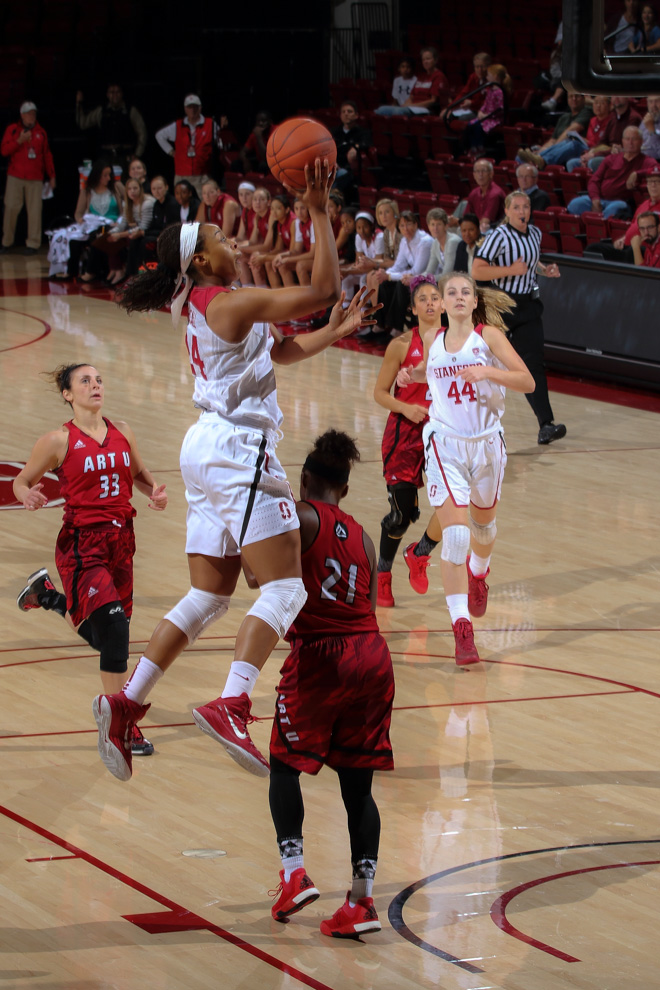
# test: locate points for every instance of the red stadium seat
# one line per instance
(617, 228)
(595, 227)
(574, 183)
(368, 197)
(548, 225)
(437, 174)
(571, 234)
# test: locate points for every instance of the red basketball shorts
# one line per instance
(96, 567)
(403, 451)
(334, 704)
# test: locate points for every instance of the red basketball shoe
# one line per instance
(116, 716)
(477, 593)
(385, 599)
(466, 651)
(139, 745)
(419, 582)
(226, 720)
(294, 893)
(351, 922)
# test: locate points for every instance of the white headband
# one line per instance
(187, 243)
(364, 216)
(246, 185)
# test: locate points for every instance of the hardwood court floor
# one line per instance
(520, 842)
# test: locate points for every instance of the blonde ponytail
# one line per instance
(491, 303)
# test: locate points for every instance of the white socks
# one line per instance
(458, 608)
(145, 676)
(479, 565)
(290, 864)
(241, 679)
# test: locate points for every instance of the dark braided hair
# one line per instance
(332, 457)
(154, 288)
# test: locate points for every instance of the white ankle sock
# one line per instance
(479, 565)
(145, 676)
(290, 864)
(458, 607)
(241, 679)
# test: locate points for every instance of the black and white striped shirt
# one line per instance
(503, 246)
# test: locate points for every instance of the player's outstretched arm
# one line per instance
(342, 322)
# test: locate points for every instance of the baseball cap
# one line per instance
(27, 106)
(655, 172)
(191, 99)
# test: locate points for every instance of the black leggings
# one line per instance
(288, 811)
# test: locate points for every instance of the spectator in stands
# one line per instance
(492, 111)
(218, 208)
(550, 81)
(281, 219)
(621, 250)
(404, 83)
(527, 176)
(258, 237)
(487, 199)
(647, 37)
(335, 206)
(351, 141)
(130, 228)
(138, 170)
(122, 132)
(186, 197)
(443, 249)
(646, 244)
(253, 152)
(302, 242)
(650, 127)
(192, 141)
(369, 245)
(25, 144)
(568, 138)
(469, 107)
(411, 260)
(245, 193)
(99, 204)
(431, 88)
(623, 115)
(610, 190)
(624, 27)
(165, 212)
(387, 219)
(470, 239)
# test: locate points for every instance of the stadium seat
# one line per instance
(548, 225)
(571, 234)
(595, 227)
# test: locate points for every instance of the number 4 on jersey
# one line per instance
(195, 357)
(467, 390)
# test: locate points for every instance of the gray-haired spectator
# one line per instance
(528, 182)
(650, 127)
(443, 249)
(122, 132)
(623, 115)
(610, 190)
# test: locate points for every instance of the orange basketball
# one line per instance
(296, 143)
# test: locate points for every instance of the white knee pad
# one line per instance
(455, 544)
(279, 603)
(197, 611)
(484, 533)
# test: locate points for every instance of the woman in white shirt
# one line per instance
(411, 260)
(443, 249)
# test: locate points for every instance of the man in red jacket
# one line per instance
(191, 141)
(30, 161)
(610, 189)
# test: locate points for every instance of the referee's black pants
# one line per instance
(525, 331)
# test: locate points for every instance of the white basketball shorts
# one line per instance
(236, 488)
(463, 470)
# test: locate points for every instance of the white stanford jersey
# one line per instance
(235, 380)
(469, 410)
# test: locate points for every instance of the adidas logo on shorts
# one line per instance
(92, 591)
(79, 445)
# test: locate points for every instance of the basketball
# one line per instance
(296, 143)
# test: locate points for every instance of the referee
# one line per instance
(509, 257)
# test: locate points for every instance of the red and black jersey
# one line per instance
(402, 446)
(96, 479)
(415, 394)
(337, 577)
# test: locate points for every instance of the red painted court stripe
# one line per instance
(498, 909)
(34, 340)
(176, 918)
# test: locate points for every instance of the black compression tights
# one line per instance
(287, 809)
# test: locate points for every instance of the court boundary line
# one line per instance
(175, 917)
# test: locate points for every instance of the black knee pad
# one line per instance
(110, 636)
(404, 510)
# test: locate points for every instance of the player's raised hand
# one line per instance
(319, 179)
(358, 314)
(158, 498)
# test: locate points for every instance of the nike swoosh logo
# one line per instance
(243, 677)
(237, 732)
